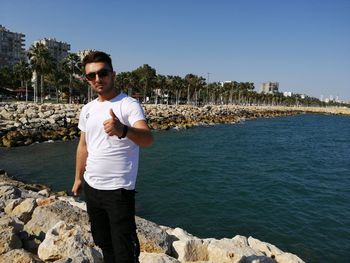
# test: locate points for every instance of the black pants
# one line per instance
(113, 227)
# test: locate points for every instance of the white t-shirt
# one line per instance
(112, 163)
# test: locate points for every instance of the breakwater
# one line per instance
(38, 225)
(26, 123)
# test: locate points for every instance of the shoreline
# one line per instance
(26, 123)
(39, 225)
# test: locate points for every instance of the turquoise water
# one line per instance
(284, 180)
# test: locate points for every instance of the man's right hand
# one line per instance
(77, 186)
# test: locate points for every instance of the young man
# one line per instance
(113, 126)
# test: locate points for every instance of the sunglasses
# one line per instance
(101, 74)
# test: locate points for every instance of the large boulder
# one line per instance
(233, 251)
(19, 256)
(186, 247)
(65, 241)
(146, 257)
(152, 237)
(9, 229)
(8, 193)
(273, 252)
(22, 208)
(288, 258)
(46, 216)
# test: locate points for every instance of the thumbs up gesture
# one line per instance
(113, 126)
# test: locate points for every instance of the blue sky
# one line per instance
(303, 44)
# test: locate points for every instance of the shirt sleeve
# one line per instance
(82, 120)
(135, 112)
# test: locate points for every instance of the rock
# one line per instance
(46, 120)
(9, 240)
(273, 252)
(46, 201)
(268, 249)
(230, 250)
(8, 193)
(44, 192)
(288, 258)
(59, 231)
(24, 209)
(191, 250)
(11, 205)
(46, 216)
(179, 234)
(73, 201)
(67, 241)
(152, 237)
(186, 247)
(19, 256)
(146, 257)
(19, 187)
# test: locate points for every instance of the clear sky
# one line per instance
(302, 44)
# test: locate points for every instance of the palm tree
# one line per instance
(41, 62)
(161, 85)
(194, 85)
(146, 75)
(7, 78)
(72, 66)
(23, 71)
(179, 85)
(127, 81)
(58, 78)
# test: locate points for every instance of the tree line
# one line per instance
(64, 81)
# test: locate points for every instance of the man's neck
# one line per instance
(109, 96)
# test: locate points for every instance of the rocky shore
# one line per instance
(26, 123)
(38, 225)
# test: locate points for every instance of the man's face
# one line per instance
(100, 77)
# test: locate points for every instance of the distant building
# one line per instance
(58, 50)
(269, 87)
(11, 47)
(287, 94)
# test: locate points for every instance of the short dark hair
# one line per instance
(97, 56)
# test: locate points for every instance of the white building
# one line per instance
(11, 47)
(287, 94)
(58, 50)
(269, 87)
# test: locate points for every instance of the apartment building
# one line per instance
(269, 87)
(11, 47)
(58, 50)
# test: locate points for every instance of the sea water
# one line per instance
(282, 180)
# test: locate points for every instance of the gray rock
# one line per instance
(268, 249)
(19, 256)
(24, 209)
(9, 239)
(11, 205)
(46, 216)
(8, 192)
(231, 250)
(65, 241)
(152, 237)
(146, 257)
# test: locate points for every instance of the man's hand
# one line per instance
(77, 187)
(113, 126)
